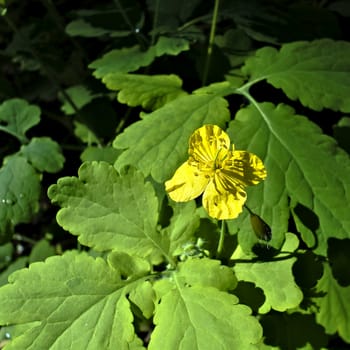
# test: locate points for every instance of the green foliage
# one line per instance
(103, 207)
(158, 143)
(20, 190)
(17, 116)
(44, 154)
(150, 92)
(317, 74)
(333, 312)
(267, 130)
(20, 173)
(287, 295)
(94, 254)
(132, 58)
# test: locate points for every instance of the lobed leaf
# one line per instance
(158, 143)
(44, 154)
(302, 164)
(275, 278)
(109, 211)
(206, 273)
(203, 318)
(73, 301)
(150, 92)
(130, 59)
(17, 116)
(317, 73)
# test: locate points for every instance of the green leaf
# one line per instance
(18, 264)
(150, 92)
(143, 297)
(44, 154)
(159, 143)
(6, 251)
(85, 134)
(41, 250)
(128, 265)
(105, 154)
(130, 59)
(183, 225)
(19, 193)
(275, 278)
(318, 179)
(203, 318)
(76, 301)
(109, 211)
(206, 273)
(334, 311)
(79, 95)
(316, 73)
(82, 28)
(17, 116)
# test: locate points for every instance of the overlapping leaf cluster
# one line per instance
(151, 264)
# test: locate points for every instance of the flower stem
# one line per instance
(211, 42)
(222, 239)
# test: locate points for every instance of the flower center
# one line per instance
(219, 159)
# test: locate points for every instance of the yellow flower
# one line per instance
(222, 174)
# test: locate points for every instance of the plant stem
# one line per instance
(155, 21)
(211, 42)
(222, 239)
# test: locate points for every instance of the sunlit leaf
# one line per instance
(275, 278)
(191, 273)
(201, 316)
(183, 224)
(75, 301)
(302, 164)
(316, 73)
(44, 154)
(150, 92)
(158, 144)
(19, 193)
(109, 211)
(18, 116)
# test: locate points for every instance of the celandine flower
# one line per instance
(222, 174)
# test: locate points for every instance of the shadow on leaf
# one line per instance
(339, 259)
(250, 295)
(293, 331)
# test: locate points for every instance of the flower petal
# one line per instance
(223, 205)
(205, 143)
(186, 184)
(243, 167)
